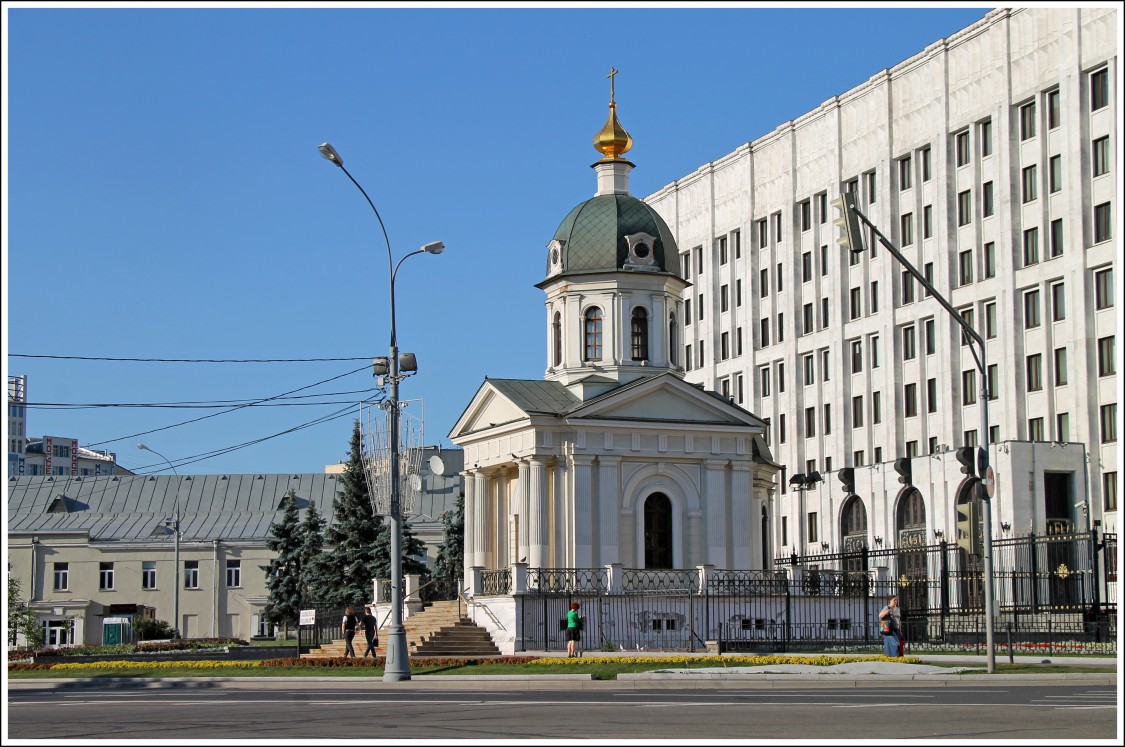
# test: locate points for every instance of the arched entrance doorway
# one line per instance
(911, 555)
(853, 530)
(658, 531)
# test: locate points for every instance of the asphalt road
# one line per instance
(590, 710)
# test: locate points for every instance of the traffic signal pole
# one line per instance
(853, 240)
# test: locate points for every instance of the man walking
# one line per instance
(371, 630)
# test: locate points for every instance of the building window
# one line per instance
(1054, 174)
(722, 242)
(1030, 247)
(807, 318)
(854, 304)
(784, 531)
(724, 298)
(904, 173)
(1057, 237)
(857, 411)
(906, 228)
(640, 334)
(741, 389)
(781, 377)
(910, 400)
(824, 260)
(700, 351)
(931, 395)
(927, 221)
(1101, 156)
(907, 288)
(965, 267)
(1027, 121)
(924, 156)
(986, 138)
(1031, 309)
(191, 574)
(738, 292)
(929, 334)
(764, 332)
(777, 227)
(826, 419)
(781, 327)
(105, 576)
(857, 356)
(1030, 176)
(556, 332)
(764, 381)
(1034, 372)
(763, 283)
(810, 422)
(738, 341)
(873, 297)
(685, 264)
(823, 313)
(724, 346)
(873, 348)
(698, 260)
(806, 215)
(812, 525)
(1107, 363)
(1053, 113)
(763, 236)
(777, 279)
(990, 260)
(1099, 89)
(825, 368)
(876, 408)
(869, 181)
(1058, 302)
(62, 577)
(781, 430)
(1102, 230)
(1035, 429)
(234, 573)
(969, 387)
(965, 208)
(148, 574)
(857, 458)
(1109, 423)
(810, 369)
(673, 339)
(699, 307)
(1060, 367)
(962, 147)
(1109, 491)
(908, 346)
(991, 383)
(990, 320)
(1103, 289)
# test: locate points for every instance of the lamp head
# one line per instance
(142, 447)
(434, 247)
(330, 153)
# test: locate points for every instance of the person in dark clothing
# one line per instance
(347, 627)
(371, 630)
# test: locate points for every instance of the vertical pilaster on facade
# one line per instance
(480, 528)
(537, 518)
(521, 509)
(564, 510)
(609, 484)
(583, 467)
(615, 573)
(693, 552)
(377, 594)
(716, 501)
(745, 528)
(658, 332)
(706, 571)
(519, 578)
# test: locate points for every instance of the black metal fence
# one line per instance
(324, 630)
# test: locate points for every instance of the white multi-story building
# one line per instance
(990, 159)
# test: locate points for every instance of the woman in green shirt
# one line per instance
(573, 630)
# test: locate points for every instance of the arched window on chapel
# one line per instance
(593, 334)
(556, 330)
(640, 334)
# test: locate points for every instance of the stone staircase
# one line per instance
(438, 630)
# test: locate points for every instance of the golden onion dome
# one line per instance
(613, 141)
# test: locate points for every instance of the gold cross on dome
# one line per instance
(612, 72)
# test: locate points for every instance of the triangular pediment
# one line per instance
(488, 409)
(666, 398)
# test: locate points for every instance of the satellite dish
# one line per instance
(436, 465)
(415, 482)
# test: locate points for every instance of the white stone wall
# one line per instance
(984, 72)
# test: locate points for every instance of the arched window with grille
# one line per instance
(640, 334)
(593, 334)
(556, 332)
(853, 529)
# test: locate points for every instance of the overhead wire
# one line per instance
(189, 404)
(186, 360)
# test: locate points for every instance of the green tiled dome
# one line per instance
(593, 234)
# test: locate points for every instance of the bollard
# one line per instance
(1011, 658)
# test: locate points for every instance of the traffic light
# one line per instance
(902, 467)
(969, 537)
(965, 459)
(850, 235)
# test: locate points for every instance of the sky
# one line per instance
(164, 197)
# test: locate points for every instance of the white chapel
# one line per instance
(612, 458)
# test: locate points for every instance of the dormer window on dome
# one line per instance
(642, 252)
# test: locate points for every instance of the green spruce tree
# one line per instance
(315, 575)
(450, 563)
(283, 574)
(349, 564)
(412, 548)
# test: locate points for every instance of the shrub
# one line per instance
(149, 630)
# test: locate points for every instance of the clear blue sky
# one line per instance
(165, 197)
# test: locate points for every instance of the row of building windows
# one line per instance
(106, 575)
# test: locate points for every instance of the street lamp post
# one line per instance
(176, 536)
(397, 666)
(853, 240)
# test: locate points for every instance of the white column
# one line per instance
(609, 497)
(521, 509)
(564, 510)
(468, 479)
(716, 508)
(583, 511)
(480, 528)
(658, 331)
(745, 524)
(537, 516)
